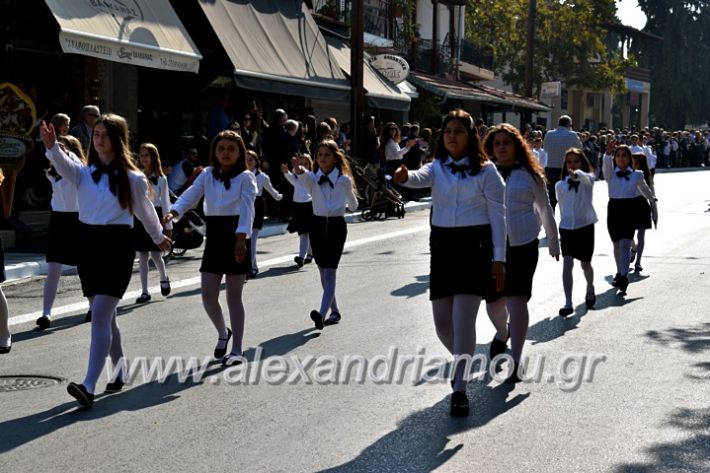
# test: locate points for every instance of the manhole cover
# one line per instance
(23, 382)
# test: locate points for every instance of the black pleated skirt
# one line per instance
(327, 235)
(301, 216)
(218, 257)
(643, 212)
(106, 259)
(520, 265)
(578, 243)
(259, 205)
(461, 259)
(622, 218)
(63, 238)
(141, 240)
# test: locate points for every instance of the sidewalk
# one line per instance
(25, 265)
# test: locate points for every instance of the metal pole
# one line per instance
(357, 94)
(435, 38)
(532, 13)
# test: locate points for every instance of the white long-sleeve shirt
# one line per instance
(161, 196)
(527, 206)
(98, 205)
(64, 193)
(330, 201)
(622, 188)
(263, 182)
(300, 193)
(219, 201)
(393, 152)
(576, 208)
(459, 201)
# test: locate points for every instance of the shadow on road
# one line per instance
(413, 289)
(421, 441)
(282, 344)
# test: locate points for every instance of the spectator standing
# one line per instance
(556, 144)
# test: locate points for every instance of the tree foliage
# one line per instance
(569, 43)
(679, 63)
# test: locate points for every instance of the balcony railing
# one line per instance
(337, 10)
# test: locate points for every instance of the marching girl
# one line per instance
(110, 191)
(62, 245)
(527, 206)
(467, 232)
(229, 191)
(149, 160)
(577, 219)
(639, 161)
(5, 336)
(301, 211)
(622, 211)
(331, 187)
(263, 182)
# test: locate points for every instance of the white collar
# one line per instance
(333, 175)
(458, 162)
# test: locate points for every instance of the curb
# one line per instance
(18, 271)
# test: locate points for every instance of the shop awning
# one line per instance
(457, 90)
(140, 32)
(380, 92)
(276, 46)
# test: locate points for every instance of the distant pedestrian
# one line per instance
(302, 211)
(83, 131)
(639, 162)
(556, 144)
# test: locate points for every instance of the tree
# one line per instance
(569, 42)
(678, 64)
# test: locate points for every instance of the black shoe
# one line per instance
(317, 319)
(44, 322)
(79, 392)
(514, 378)
(498, 347)
(459, 404)
(299, 261)
(333, 319)
(87, 318)
(615, 281)
(220, 352)
(308, 259)
(638, 268)
(623, 284)
(165, 287)
(590, 300)
(143, 298)
(253, 274)
(114, 386)
(232, 360)
(5, 350)
(565, 311)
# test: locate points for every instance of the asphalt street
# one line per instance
(641, 406)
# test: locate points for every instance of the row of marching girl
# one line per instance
(229, 191)
(110, 192)
(624, 214)
(467, 241)
(332, 190)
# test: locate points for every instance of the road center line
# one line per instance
(181, 283)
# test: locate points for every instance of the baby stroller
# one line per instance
(381, 199)
(188, 232)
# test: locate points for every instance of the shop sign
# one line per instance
(394, 68)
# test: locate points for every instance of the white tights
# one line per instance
(210, 301)
(105, 338)
(5, 338)
(157, 258)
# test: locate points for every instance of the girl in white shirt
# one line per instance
(263, 182)
(229, 191)
(301, 211)
(577, 219)
(622, 212)
(62, 243)
(467, 232)
(640, 162)
(110, 191)
(149, 160)
(527, 205)
(5, 336)
(389, 146)
(331, 187)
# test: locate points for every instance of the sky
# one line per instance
(630, 14)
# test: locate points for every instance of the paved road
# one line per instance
(645, 409)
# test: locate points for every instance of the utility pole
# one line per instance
(357, 94)
(532, 13)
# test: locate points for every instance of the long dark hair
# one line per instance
(643, 166)
(341, 162)
(229, 135)
(586, 165)
(477, 157)
(155, 164)
(523, 154)
(117, 129)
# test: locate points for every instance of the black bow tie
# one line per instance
(323, 179)
(153, 179)
(624, 174)
(53, 172)
(573, 185)
(505, 171)
(458, 169)
(109, 170)
(225, 177)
